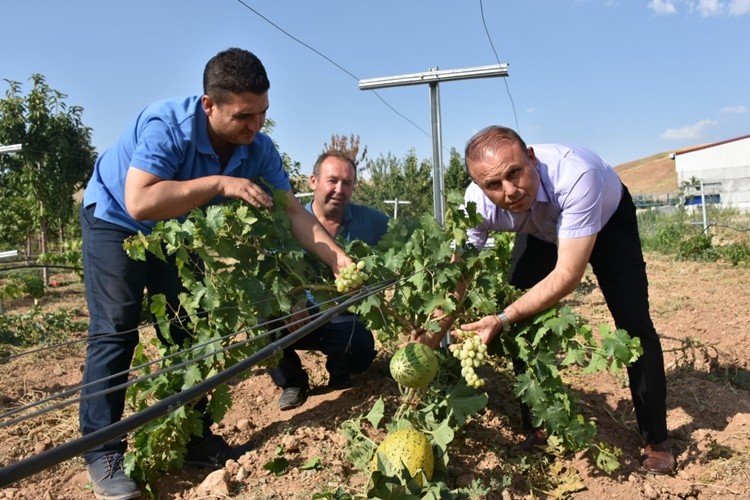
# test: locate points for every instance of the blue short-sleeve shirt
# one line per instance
(360, 223)
(169, 139)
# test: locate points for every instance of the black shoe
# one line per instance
(109, 480)
(211, 451)
(292, 397)
(336, 383)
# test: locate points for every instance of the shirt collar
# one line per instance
(348, 216)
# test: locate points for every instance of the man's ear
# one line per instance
(208, 104)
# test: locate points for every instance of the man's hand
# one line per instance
(342, 260)
(246, 190)
(149, 197)
(486, 328)
(299, 318)
(430, 339)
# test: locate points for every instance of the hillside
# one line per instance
(651, 175)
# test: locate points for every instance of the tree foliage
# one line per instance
(293, 168)
(456, 178)
(389, 178)
(56, 159)
(347, 145)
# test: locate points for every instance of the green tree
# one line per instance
(389, 178)
(56, 159)
(456, 178)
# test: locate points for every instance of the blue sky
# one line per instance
(628, 78)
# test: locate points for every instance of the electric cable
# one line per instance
(332, 62)
(497, 58)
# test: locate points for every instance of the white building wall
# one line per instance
(727, 163)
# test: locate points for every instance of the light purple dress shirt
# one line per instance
(579, 192)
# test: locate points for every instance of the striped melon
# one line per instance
(414, 365)
(408, 448)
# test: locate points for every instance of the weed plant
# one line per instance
(679, 231)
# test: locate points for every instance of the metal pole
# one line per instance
(396, 203)
(13, 148)
(433, 78)
(438, 202)
(703, 208)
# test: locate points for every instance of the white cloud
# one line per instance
(532, 109)
(662, 6)
(736, 110)
(739, 7)
(706, 8)
(709, 8)
(688, 132)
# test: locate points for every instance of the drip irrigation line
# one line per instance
(151, 375)
(134, 381)
(53, 456)
(124, 385)
(36, 266)
(89, 338)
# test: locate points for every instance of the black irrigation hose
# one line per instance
(53, 456)
(48, 266)
(125, 385)
(130, 382)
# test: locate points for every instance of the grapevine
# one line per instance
(244, 281)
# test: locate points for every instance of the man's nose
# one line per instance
(255, 123)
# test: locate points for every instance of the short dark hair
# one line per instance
(490, 138)
(234, 71)
(333, 153)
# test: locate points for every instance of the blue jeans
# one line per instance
(349, 348)
(115, 287)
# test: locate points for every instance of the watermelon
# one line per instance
(408, 448)
(414, 365)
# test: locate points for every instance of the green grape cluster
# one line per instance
(473, 353)
(351, 277)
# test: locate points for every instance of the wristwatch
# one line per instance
(504, 320)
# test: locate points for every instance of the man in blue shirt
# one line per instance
(177, 155)
(569, 209)
(349, 347)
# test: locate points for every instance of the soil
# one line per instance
(702, 311)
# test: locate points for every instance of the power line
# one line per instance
(330, 61)
(497, 58)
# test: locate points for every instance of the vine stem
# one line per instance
(408, 325)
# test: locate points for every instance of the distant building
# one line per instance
(724, 170)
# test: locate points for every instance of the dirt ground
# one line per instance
(702, 311)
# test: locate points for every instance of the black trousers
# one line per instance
(617, 262)
(349, 348)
